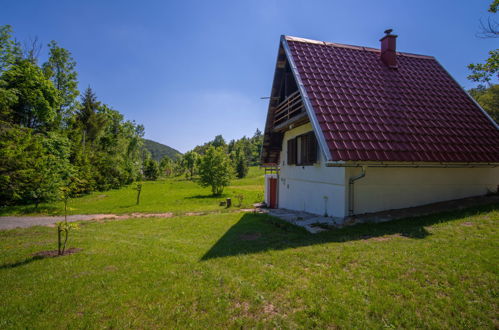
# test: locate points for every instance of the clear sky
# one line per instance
(189, 70)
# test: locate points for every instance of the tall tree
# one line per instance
(10, 50)
(37, 99)
(91, 122)
(60, 69)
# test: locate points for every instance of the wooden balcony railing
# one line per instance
(288, 108)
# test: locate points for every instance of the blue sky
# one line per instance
(189, 70)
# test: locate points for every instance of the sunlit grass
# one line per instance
(176, 195)
(242, 270)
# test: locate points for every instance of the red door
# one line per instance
(273, 193)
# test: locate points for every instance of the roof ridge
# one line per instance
(370, 49)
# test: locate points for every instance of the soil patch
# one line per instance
(54, 253)
(190, 214)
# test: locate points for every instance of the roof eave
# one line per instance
(412, 164)
(306, 101)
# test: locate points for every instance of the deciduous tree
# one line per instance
(189, 162)
(37, 99)
(215, 170)
(60, 69)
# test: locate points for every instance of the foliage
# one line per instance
(172, 194)
(248, 150)
(10, 50)
(89, 119)
(488, 98)
(484, 72)
(37, 98)
(48, 139)
(60, 69)
(190, 162)
(241, 163)
(32, 166)
(218, 141)
(166, 166)
(215, 170)
(160, 151)
(151, 169)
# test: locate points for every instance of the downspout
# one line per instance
(351, 195)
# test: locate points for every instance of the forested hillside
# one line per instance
(159, 151)
(53, 142)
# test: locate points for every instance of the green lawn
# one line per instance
(176, 195)
(250, 270)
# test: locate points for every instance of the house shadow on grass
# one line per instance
(255, 233)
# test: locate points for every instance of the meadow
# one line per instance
(177, 195)
(245, 270)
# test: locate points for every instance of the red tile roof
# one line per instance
(369, 112)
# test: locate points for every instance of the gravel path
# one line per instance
(12, 222)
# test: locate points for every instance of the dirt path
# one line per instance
(11, 222)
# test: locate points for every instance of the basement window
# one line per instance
(302, 150)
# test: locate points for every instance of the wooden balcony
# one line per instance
(291, 107)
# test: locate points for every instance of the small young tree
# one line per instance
(215, 170)
(139, 189)
(64, 226)
(151, 169)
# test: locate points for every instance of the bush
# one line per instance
(151, 169)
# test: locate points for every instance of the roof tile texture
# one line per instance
(369, 112)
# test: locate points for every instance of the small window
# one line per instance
(302, 150)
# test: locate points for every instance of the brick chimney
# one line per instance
(389, 49)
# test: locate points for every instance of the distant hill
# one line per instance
(158, 150)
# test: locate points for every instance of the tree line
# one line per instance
(53, 139)
(213, 163)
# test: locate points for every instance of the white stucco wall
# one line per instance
(315, 189)
(304, 188)
(394, 188)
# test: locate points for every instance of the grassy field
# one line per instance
(176, 195)
(251, 270)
